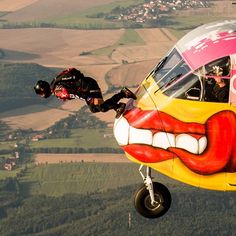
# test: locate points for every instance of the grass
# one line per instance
(7, 145)
(184, 24)
(3, 13)
(57, 142)
(5, 156)
(81, 178)
(5, 174)
(130, 37)
(84, 138)
(186, 21)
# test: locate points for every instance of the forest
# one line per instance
(193, 212)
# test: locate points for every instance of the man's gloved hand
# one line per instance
(218, 71)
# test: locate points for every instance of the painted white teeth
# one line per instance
(187, 142)
(140, 136)
(121, 131)
(163, 140)
(126, 134)
(202, 144)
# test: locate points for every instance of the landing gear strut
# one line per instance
(152, 199)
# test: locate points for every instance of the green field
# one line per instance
(5, 174)
(84, 138)
(80, 178)
(130, 37)
(182, 24)
(7, 145)
(13, 173)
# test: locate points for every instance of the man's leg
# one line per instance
(112, 103)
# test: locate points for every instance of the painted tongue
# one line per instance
(221, 145)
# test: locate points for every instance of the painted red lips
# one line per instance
(219, 155)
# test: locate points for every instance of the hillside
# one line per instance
(17, 82)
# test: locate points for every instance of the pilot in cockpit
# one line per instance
(219, 89)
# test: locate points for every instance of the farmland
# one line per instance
(8, 6)
(141, 55)
(87, 193)
(121, 57)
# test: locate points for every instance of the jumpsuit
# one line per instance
(72, 84)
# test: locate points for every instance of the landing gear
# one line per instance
(152, 200)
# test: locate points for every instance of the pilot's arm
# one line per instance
(221, 91)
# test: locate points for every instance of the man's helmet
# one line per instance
(43, 88)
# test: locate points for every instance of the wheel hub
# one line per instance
(153, 206)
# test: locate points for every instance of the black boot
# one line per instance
(127, 93)
(112, 103)
(120, 109)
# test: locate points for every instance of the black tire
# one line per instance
(142, 201)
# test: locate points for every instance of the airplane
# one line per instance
(176, 126)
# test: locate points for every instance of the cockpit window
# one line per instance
(188, 87)
(170, 67)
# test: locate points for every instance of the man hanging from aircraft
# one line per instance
(72, 84)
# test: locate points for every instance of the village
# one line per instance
(154, 10)
(18, 141)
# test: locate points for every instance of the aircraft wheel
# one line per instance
(142, 201)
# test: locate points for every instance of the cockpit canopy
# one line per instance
(175, 78)
(201, 66)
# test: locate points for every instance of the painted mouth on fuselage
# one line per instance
(195, 144)
(154, 136)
